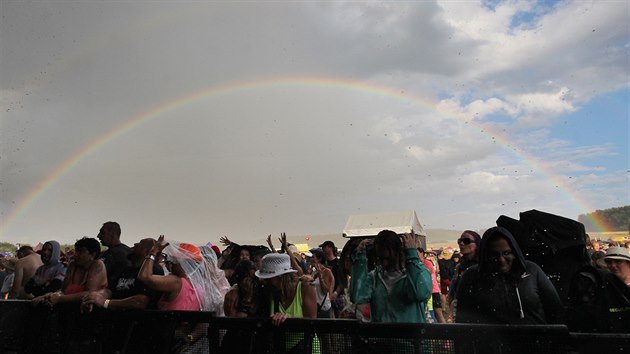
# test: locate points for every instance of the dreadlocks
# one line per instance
(389, 247)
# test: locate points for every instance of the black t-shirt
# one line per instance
(334, 267)
(115, 259)
(447, 268)
(128, 285)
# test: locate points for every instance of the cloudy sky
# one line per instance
(202, 119)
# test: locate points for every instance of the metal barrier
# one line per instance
(27, 329)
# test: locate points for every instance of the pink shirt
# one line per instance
(431, 267)
(186, 300)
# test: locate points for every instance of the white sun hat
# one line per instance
(617, 253)
(273, 265)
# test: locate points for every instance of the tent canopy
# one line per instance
(371, 224)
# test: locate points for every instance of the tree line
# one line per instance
(617, 218)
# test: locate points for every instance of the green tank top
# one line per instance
(295, 309)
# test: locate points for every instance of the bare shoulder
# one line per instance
(97, 266)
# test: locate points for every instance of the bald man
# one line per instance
(25, 267)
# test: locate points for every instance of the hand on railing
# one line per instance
(41, 300)
(278, 318)
(90, 300)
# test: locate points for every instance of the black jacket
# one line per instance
(598, 302)
(524, 295)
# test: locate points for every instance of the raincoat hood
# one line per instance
(485, 262)
(56, 252)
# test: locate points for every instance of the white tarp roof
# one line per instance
(372, 224)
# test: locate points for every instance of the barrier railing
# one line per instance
(28, 329)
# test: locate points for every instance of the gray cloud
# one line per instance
(296, 155)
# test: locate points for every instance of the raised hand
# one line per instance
(319, 267)
(283, 242)
(159, 246)
(270, 244)
(225, 241)
(364, 243)
(410, 240)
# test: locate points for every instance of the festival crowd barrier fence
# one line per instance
(63, 329)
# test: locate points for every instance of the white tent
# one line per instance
(367, 225)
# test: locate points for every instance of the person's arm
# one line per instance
(452, 290)
(101, 299)
(467, 310)
(361, 282)
(273, 249)
(419, 284)
(97, 276)
(230, 302)
(309, 300)
(327, 280)
(17, 291)
(225, 241)
(296, 265)
(285, 247)
(226, 255)
(139, 301)
(170, 284)
(340, 281)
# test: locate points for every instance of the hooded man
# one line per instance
(504, 288)
(49, 277)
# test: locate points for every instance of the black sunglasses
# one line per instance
(465, 241)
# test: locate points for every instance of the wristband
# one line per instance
(106, 304)
(151, 257)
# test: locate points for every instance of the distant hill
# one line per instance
(617, 218)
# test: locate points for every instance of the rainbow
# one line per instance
(307, 82)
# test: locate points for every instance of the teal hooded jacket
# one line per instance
(404, 301)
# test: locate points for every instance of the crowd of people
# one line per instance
(389, 278)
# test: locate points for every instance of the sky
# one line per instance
(198, 119)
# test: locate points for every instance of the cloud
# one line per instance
(448, 108)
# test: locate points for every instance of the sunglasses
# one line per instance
(465, 241)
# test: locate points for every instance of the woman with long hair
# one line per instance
(292, 297)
